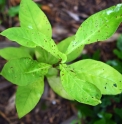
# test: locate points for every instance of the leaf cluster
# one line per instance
(84, 81)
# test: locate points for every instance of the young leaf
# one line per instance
(20, 35)
(63, 45)
(79, 89)
(44, 56)
(24, 71)
(55, 84)
(52, 72)
(33, 38)
(14, 53)
(103, 76)
(97, 27)
(28, 96)
(32, 17)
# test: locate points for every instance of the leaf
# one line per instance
(100, 121)
(97, 27)
(118, 111)
(2, 2)
(28, 96)
(20, 35)
(55, 84)
(118, 53)
(117, 64)
(13, 11)
(44, 56)
(103, 76)
(106, 118)
(33, 38)
(14, 53)
(32, 17)
(96, 55)
(79, 89)
(31, 51)
(2, 5)
(52, 72)
(24, 71)
(119, 43)
(84, 110)
(63, 45)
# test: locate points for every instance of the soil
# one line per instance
(65, 17)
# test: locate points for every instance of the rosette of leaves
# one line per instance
(84, 81)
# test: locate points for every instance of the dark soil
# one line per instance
(52, 109)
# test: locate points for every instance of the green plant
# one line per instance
(84, 81)
(2, 5)
(117, 63)
(13, 11)
(5, 13)
(107, 112)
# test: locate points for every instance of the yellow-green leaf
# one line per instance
(32, 17)
(103, 76)
(80, 90)
(28, 96)
(24, 71)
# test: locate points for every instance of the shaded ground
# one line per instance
(65, 17)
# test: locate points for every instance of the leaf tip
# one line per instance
(1, 33)
(99, 101)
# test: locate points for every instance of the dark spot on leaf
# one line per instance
(115, 85)
(119, 81)
(71, 70)
(105, 87)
